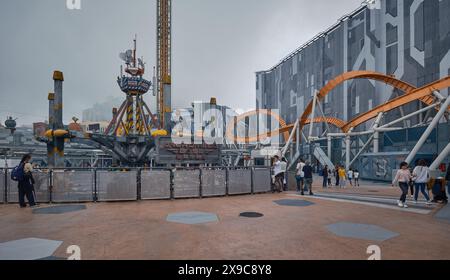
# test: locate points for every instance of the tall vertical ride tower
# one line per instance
(164, 61)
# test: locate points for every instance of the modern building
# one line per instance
(406, 39)
(409, 39)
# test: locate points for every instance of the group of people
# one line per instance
(304, 176)
(341, 177)
(416, 181)
(279, 169)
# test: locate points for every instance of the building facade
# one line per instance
(409, 39)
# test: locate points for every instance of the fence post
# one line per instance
(50, 186)
(200, 190)
(227, 178)
(95, 186)
(172, 191)
(139, 182)
(6, 186)
(252, 176)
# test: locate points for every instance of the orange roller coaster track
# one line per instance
(424, 94)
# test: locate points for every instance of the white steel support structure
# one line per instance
(430, 128)
(440, 158)
(313, 115)
(376, 135)
(348, 149)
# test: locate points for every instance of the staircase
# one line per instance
(320, 155)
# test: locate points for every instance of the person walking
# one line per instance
(325, 176)
(356, 175)
(308, 171)
(402, 177)
(279, 175)
(350, 176)
(336, 175)
(26, 182)
(329, 178)
(299, 176)
(421, 176)
(342, 177)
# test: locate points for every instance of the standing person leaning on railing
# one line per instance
(24, 176)
(279, 175)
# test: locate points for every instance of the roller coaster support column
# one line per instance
(313, 115)
(347, 149)
(376, 135)
(440, 158)
(431, 127)
(329, 146)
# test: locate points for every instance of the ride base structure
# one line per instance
(131, 134)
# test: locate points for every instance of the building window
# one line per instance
(370, 104)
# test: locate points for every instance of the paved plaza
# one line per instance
(335, 224)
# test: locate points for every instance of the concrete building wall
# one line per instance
(409, 39)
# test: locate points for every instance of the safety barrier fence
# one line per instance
(97, 185)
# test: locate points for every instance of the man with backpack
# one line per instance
(22, 174)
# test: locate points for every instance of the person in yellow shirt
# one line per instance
(342, 177)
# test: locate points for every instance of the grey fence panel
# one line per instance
(73, 186)
(214, 182)
(186, 183)
(155, 184)
(239, 181)
(116, 185)
(292, 182)
(41, 191)
(261, 180)
(2, 186)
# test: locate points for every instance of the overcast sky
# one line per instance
(217, 47)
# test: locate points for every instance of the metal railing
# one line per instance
(73, 185)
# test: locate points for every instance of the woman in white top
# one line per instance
(299, 176)
(421, 176)
(402, 177)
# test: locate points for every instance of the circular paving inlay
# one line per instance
(192, 218)
(361, 231)
(60, 209)
(251, 215)
(294, 202)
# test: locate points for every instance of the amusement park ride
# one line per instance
(130, 135)
(133, 130)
